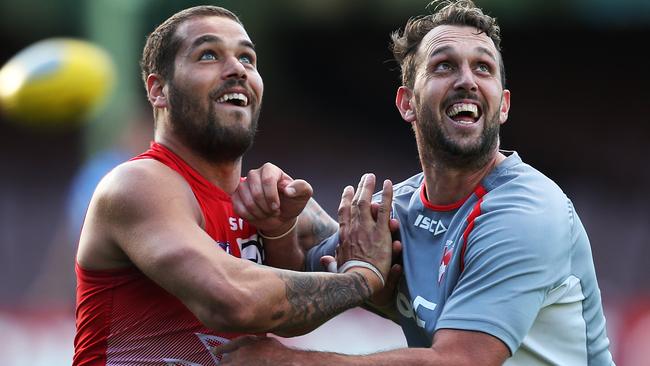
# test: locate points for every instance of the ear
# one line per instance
(505, 106)
(404, 104)
(156, 92)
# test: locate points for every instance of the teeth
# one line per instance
(233, 96)
(463, 107)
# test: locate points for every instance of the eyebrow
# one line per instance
(487, 52)
(209, 38)
(445, 49)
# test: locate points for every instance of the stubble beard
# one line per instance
(203, 131)
(437, 147)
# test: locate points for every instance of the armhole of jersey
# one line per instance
(476, 211)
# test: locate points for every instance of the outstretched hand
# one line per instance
(386, 296)
(365, 236)
(270, 199)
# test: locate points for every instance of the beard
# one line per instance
(204, 132)
(437, 146)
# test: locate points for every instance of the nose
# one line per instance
(233, 68)
(466, 79)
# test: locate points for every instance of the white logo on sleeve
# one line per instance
(434, 226)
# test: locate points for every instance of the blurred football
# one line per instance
(56, 82)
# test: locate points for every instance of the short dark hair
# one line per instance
(162, 44)
(405, 43)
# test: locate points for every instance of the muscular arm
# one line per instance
(314, 301)
(146, 216)
(450, 348)
(314, 225)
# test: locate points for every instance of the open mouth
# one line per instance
(237, 99)
(464, 113)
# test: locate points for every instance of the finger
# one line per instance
(374, 208)
(397, 248)
(365, 197)
(271, 178)
(329, 263)
(393, 225)
(355, 199)
(254, 211)
(345, 207)
(254, 182)
(239, 208)
(383, 215)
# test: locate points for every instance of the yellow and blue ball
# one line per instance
(55, 82)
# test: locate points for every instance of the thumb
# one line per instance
(298, 188)
(329, 263)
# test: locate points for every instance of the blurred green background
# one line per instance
(580, 113)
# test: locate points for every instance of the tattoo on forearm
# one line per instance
(315, 299)
(321, 225)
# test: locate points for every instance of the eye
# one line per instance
(208, 55)
(485, 68)
(246, 59)
(443, 66)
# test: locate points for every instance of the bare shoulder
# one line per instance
(140, 185)
(133, 196)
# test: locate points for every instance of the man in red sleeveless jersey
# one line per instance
(160, 275)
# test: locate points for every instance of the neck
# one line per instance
(225, 175)
(445, 186)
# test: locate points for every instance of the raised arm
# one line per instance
(145, 216)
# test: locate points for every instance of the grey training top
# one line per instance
(512, 260)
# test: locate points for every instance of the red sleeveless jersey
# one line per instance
(124, 318)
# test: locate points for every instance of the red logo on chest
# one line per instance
(447, 253)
